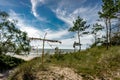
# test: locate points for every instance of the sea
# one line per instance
(37, 53)
(49, 51)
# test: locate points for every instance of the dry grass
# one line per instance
(94, 63)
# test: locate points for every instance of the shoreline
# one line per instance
(24, 57)
(35, 53)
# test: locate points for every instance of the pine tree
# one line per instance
(95, 29)
(79, 27)
(108, 13)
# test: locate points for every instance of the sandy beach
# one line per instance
(25, 57)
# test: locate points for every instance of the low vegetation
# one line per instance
(8, 62)
(94, 63)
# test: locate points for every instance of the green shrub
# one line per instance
(8, 62)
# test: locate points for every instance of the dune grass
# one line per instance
(93, 63)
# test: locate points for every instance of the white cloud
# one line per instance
(42, 1)
(80, 10)
(56, 34)
(62, 14)
(87, 13)
(34, 32)
(34, 6)
(67, 43)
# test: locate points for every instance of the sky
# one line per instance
(54, 17)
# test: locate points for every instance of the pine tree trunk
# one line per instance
(107, 33)
(109, 21)
(95, 39)
(79, 41)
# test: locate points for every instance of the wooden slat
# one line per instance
(45, 40)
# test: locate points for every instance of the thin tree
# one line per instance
(112, 14)
(117, 5)
(79, 27)
(115, 40)
(95, 29)
(108, 13)
(115, 37)
(11, 38)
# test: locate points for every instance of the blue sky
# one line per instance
(55, 17)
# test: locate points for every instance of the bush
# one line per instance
(8, 62)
